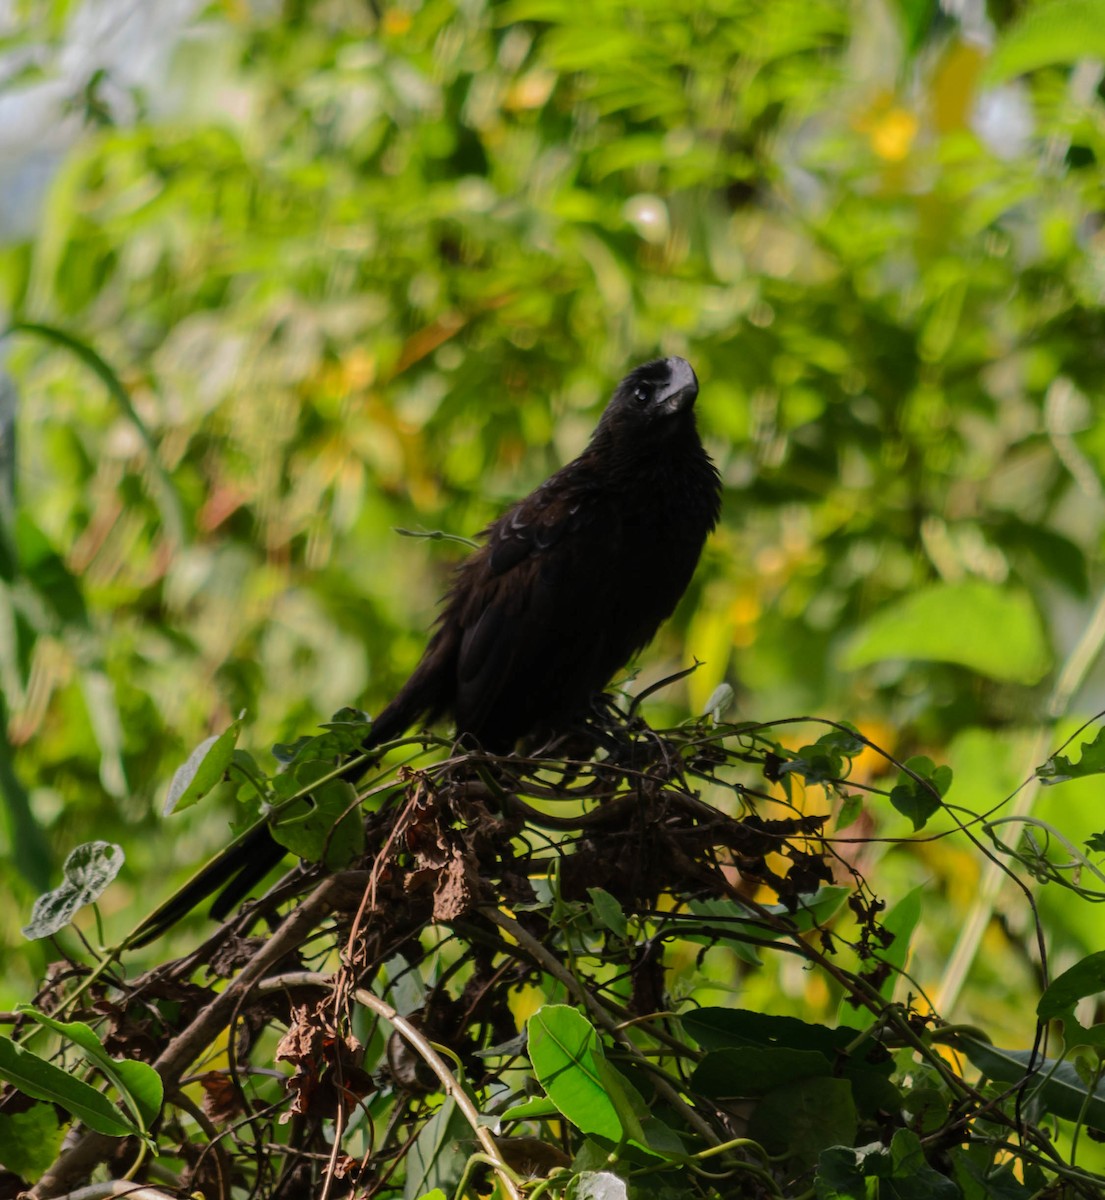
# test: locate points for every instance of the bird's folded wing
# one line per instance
(559, 508)
(539, 567)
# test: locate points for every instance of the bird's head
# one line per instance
(652, 396)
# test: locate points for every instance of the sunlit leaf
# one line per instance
(137, 1082)
(1085, 978)
(44, 1081)
(205, 768)
(1060, 767)
(920, 789)
(1052, 33)
(87, 872)
(995, 631)
(570, 1064)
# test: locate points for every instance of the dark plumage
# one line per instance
(576, 578)
(569, 584)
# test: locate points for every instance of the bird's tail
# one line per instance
(244, 862)
(233, 873)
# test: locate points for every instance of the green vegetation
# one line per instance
(357, 268)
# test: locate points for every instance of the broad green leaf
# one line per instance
(866, 1065)
(570, 1065)
(44, 1081)
(30, 1140)
(1054, 33)
(850, 808)
(993, 630)
(1085, 978)
(980, 1179)
(895, 1172)
(437, 1157)
(600, 1185)
(345, 732)
(203, 770)
(326, 824)
(1057, 1084)
(137, 1082)
(805, 1116)
(29, 852)
(756, 1070)
(87, 872)
(916, 17)
(45, 570)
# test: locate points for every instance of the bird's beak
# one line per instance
(682, 388)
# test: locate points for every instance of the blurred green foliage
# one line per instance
(356, 267)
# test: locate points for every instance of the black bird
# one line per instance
(568, 585)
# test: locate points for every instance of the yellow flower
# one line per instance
(891, 134)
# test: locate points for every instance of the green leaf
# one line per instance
(1085, 978)
(47, 573)
(43, 1081)
(850, 808)
(844, 1050)
(327, 824)
(1059, 768)
(1057, 1084)
(919, 800)
(536, 1108)
(980, 1179)
(995, 631)
(29, 1140)
(1055, 33)
(570, 1065)
(827, 759)
(916, 17)
(436, 1160)
(805, 1116)
(28, 851)
(755, 1070)
(345, 733)
(1057, 556)
(600, 1185)
(137, 1082)
(205, 768)
(172, 512)
(840, 1175)
(895, 1172)
(608, 911)
(88, 870)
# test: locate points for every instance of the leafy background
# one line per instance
(321, 270)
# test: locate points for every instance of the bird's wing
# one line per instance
(528, 579)
(560, 507)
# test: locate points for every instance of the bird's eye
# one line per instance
(642, 395)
